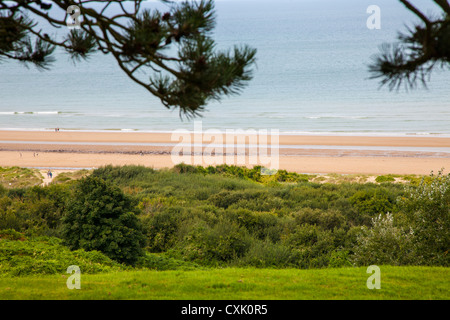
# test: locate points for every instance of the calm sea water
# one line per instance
(311, 77)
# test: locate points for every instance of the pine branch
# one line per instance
(418, 52)
(141, 42)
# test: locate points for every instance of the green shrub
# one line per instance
(427, 209)
(266, 254)
(384, 243)
(255, 200)
(339, 259)
(34, 211)
(253, 174)
(122, 173)
(260, 225)
(329, 219)
(224, 199)
(221, 243)
(185, 168)
(284, 176)
(9, 219)
(101, 217)
(372, 202)
(3, 190)
(45, 255)
(386, 178)
(10, 234)
(313, 245)
(161, 229)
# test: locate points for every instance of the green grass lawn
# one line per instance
(404, 283)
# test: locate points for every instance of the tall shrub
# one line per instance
(101, 217)
(428, 209)
(384, 243)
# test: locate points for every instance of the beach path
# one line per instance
(47, 180)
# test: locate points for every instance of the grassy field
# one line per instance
(410, 283)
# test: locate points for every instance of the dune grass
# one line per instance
(15, 177)
(71, 175)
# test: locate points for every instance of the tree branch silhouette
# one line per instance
(171, 54)
(424, 47)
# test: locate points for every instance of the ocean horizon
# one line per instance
(311, 78)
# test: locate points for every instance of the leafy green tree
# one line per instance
(171, 54)
(424, 47)
(101, 217)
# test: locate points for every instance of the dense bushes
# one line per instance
(372, 202)
(233, 216)
(222, 242)
(34, 211)
(254, 174)
(122, 174)
(418, 234)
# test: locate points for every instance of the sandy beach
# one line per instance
(303, 154)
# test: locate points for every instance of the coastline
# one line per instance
(342, 154)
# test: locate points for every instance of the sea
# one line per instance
(311, 77)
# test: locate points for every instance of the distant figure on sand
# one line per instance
(49, 174)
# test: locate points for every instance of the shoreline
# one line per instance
(166, 137)
(297, 153)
